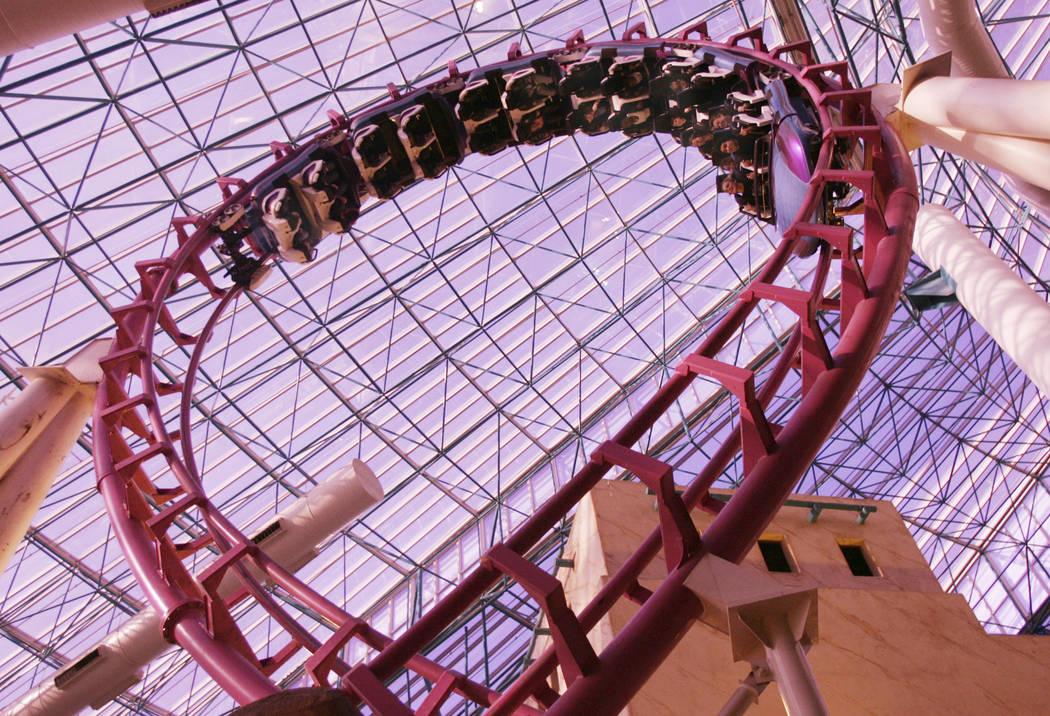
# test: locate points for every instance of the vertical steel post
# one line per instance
(795, 681)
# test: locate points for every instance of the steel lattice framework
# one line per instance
(474, 381)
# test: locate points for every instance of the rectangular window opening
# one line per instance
(64, 677)
(857, 560)
(774, 555)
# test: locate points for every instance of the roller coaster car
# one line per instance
(698, 136)
(450, 88)
(485, 93)
(531, 87)
(247, 272)
(331, 184)
(385, 165)
(487, 123)
(748, 102)
(535, 107)
(289, 223)
(754, 123)
(711, 86)
(672, 95)
(725, 63)
(635, 119)
(416, 126)
(674, 121)
(583, 80)
(491, 136)
(371, 147)
(431, 161)
(434, 140)
(724, 74)
(627, 78)
(704, 98)
(235, 230)
(388, 181)
(479, 101)
(481, 109)
(593, 117)
(531, 128)
(675, 78)
(716, 118)
(541, 125)
(636, 126)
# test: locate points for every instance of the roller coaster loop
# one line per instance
(148, 476)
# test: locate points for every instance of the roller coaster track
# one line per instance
(148, 476)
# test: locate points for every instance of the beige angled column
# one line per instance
(1026, 159)
(1000, 123)
(116, 663)
(996, 122)
(1012, 313)
(28, 23)
(954, 26)
(1017, 108)
(37, 431)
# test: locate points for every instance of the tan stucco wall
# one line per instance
(892, 644)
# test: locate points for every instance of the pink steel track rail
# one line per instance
(131, 440)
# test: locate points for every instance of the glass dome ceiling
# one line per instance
(473, 339)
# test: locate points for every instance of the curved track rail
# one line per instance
(137, 456)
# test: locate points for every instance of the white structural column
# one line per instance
(28, 23)
(1000, 123)
(116, 663)
(293, 536)
(954, 26)
(37, 431)
(1012, 313)
(1020, 157)
(1017, 108)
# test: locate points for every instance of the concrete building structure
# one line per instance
(890, 643)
